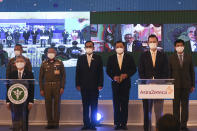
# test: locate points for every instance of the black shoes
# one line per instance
(88, 128)
(49, 127)
(122, 127)
(52, 127)
(117, 127)
(184, 129)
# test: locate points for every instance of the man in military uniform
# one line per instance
(18, 49)
(52, 81)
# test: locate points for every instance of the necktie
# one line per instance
(181, 60)
(120, 61)
(153, 58)
(20, 75)
(89, 60)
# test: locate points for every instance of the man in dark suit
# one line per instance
(153, 64)
(50, 33)
(65, 36)
(182, 70)
(120, 67)
(34, 34)
(132, 45)
(89, 80)
(21, 73)
(18, 50)
(26, 35)
(43, 33)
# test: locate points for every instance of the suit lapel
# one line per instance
(116, 61)
(150, 58)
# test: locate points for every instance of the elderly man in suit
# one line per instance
(153, 64)
(120, 67)
(182, 70)
(22, 115)
(89, 80)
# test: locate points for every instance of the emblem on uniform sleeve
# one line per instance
(17, 94)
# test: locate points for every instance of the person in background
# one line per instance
(120, 68)
(34, 34)
(26, 35)
(52, 82)
(89, 80)
(18, 50)
(3, 57)
(182, 70)
(167, 123)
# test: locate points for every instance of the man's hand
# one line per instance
(42, 93)
(123, 76)
(61, 91)
(192, 89)
(117, 79)
(30, 106)
(78, 88)
(8, 106)
(100, 88)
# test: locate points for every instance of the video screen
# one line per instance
(186, 32)
(37, 31)
(134, 35)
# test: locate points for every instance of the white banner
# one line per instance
(155, 91)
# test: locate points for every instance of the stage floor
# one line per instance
(78, 128)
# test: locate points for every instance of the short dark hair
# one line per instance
(152, 36)
(90, 42)
(51, 48)
(179, 41)
(119, 42)
(19, 45)
(168, 123)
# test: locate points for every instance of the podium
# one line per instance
(19, 93)
(155, 88)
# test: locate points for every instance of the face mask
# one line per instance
(89, 51)
(152, 45)
(180, 49)
(20, 65)
(17, 53)
(119, 50)
(51, 55)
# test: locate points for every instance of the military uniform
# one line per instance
(12, 67)
(51, 79)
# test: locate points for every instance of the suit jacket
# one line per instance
(188, 48)
(146, 69)
(12, 67)
(184, 76)
(89, 78)
(128, 67)
(26, 34)
(26, 75)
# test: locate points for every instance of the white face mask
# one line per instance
(153, 45)
(51, 55)
(180, 49)
(89, 51)
(17, 52)
(119, 50)
(20, 65)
